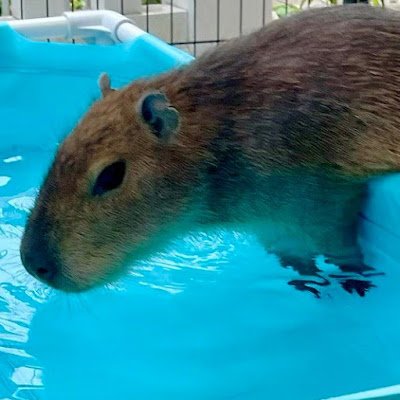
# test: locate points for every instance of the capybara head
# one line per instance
(119, 187)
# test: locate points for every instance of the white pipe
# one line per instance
(39, 27)
(82, 24)
(126, 32)
(103, 21)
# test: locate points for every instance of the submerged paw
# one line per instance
(359, 286)
(304, 285)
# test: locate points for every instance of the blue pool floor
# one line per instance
(211, 318)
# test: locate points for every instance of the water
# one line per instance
(211, 318)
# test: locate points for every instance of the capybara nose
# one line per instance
(38, 262)
(44, 273)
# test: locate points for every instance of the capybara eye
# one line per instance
(110, 178)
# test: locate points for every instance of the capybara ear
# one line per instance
(105, 84)
(158, 114)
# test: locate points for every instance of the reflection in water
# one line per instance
(20, 372)
(4, 180)
(211, 318)
(18, 298)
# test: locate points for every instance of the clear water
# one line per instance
(211, 318)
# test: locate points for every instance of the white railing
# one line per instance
(193, 25)
(50, 8)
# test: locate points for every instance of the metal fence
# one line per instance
(194, 25)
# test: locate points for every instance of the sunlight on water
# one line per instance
(19, 295)
(211, 318)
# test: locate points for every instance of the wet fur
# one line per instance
(280, 132)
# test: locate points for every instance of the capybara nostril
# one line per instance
(45, 273)
(37, 259)
(38, 267)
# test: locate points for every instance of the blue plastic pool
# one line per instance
(212, 317)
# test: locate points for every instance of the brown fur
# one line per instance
(279, 133)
